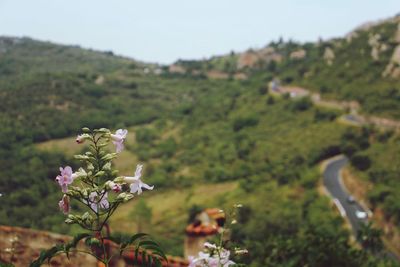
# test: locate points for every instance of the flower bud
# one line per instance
(90, 166)
(87, 219)
(99, 174)
(241, 251)
(107, 166)
(71, 219)
(119, 179)
(109, 156)
(74, 192)
(124, 197)
(102, 130)
(81, 157)
(82, 138)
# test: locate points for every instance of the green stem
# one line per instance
(105, 260)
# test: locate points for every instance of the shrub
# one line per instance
(242, 122)
(270, 100)
(301, 104)
(325, 115)
(360, 162)
(263, 90)
(146, 135)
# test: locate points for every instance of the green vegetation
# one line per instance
(210, 143)
(380, 165)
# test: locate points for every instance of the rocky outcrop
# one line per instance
(393, 68)
(216, 74)
(298, 54)
(397, 34)
(329, 55)
(248, 59)
(251, 58)
(376, 46)
(176, 69)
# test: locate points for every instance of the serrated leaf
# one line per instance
(136, 237)
(122, 246)
(147, 242)
(157, 262)
(159, 252)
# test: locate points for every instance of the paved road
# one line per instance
(332, 182)
(333, 185)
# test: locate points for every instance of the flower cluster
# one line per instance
(99, 189)
(215, 256)
(92, 184)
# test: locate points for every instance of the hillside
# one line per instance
(362, 66)
(197, 135)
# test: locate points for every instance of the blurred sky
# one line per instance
(165, 30)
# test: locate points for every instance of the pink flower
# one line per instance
(118, 139)
(96, 201)
(114, 186)
(136, 183)
(64, 204)
(66, 178)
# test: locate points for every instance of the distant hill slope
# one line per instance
(364, 65)
(21, 55)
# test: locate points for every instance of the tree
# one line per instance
(370, 238)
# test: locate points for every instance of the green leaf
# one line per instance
(136, 237)
(136, 255)
(122, 247)
(75, 242)
(92, 241)
(149, 260)
(157, 262)
(143, 257)
(46, 255)
(148, 242)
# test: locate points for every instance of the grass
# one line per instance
(169, 212)
(67, 145)
(126, 162)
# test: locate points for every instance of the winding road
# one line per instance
(332, 182)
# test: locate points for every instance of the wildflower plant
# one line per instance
(100, 190)
(218, 254)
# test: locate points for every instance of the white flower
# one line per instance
(96, 200)
(220, 259)
(135, 183)
(209, 245)
(118, 139)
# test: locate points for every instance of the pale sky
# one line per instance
(166, 30)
